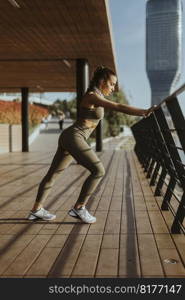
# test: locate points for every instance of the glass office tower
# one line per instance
(163, 46)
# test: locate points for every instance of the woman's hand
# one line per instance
(148, 112)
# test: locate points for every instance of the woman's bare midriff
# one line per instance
(88, 123)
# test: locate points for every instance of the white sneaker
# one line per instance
(41, 214)
(82, 214)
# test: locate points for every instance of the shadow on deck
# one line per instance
(131, 237)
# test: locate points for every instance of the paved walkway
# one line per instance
(48, 137)
(131, 237)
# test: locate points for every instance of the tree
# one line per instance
(116, 119)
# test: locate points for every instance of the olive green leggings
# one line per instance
(72, 144)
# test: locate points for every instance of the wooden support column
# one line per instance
(25, 119)
(82, 83)
(82, 79)
(99, 136)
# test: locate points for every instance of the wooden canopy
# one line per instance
(41, 40)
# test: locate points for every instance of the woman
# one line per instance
(73, 145)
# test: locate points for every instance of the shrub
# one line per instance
(10, 113)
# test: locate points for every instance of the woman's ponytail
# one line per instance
(100, 73)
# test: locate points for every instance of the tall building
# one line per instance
(163, 46)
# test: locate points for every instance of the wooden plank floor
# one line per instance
(131, 237)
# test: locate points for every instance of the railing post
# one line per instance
(150, 169)
(168, 194)
(160, 182)
(176, 226)
(155, 173)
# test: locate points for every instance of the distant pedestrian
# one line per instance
(61, 120)
(45, 122)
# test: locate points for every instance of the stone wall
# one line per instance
(10, 138)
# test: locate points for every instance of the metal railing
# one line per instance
(160, 148)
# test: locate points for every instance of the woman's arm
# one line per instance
(127, 109)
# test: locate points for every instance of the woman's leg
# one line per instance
(85, 156)
(61, 161)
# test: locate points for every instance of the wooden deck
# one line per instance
(131, 237)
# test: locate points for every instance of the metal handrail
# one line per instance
(172, 96)
(156, 150)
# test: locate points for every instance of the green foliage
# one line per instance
(116, 119)
(65, 106)
(72, 108)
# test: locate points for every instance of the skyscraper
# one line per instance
(163, 46)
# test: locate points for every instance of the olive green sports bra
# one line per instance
(94, 114)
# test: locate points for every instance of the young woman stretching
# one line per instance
(72, 144)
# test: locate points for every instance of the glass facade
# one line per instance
(163, 46)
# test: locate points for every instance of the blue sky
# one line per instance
(128, 20)
(128, 25)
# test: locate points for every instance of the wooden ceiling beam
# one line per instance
(39, 35)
